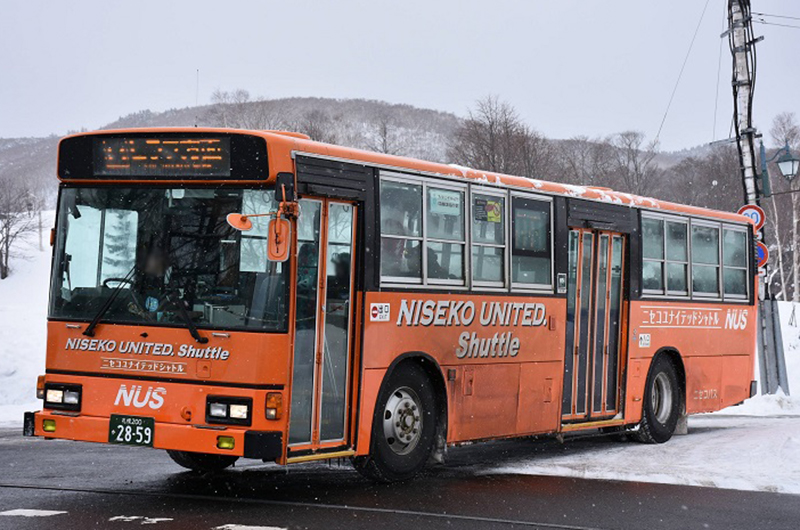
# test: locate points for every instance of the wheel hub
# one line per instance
(402, 420)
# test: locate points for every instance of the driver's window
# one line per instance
(101, 244)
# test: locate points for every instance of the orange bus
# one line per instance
(227, 293)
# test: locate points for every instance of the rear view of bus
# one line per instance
(167, 327)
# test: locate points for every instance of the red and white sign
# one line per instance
(762, 253)
(379, 312)
(753, 212)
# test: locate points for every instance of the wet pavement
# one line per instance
(69, 485)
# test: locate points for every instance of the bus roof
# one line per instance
(283, 145)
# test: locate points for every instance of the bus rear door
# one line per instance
(594, 311)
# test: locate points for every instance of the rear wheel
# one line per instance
(202, 461)
(662, 403)
(403, 429)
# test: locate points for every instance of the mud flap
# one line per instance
(29, 424)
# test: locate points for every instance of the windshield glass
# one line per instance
(163, 247)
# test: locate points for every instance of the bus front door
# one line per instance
(324, 291)
(594, 311)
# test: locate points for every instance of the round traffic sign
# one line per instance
(762, 253)
(755, 213)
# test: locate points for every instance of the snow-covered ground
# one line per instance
(755, 446)
(23, 313)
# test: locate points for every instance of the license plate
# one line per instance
(131, 430)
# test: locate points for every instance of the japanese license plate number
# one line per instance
(131, 430)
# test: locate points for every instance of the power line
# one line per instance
(775, 24)
(680, 74)
(775, 16)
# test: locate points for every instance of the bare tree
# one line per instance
(385, 136)
(585, 161)
(634, 164)
(493, 137)
(786, 131)
(18, 216)
(237, 110)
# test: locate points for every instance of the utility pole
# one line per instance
(771, 360)
(742, 43)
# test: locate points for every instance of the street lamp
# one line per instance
(788, 164)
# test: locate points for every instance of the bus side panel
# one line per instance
(716, 342)
(502, 374)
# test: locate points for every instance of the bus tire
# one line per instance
(202, 461)
(661, 405)
(403, 428)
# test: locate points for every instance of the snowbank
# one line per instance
(23, 313)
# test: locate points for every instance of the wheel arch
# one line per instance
(433, 370)
(674, 356)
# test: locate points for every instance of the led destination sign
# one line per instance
(162, 157)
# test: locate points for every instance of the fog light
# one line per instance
(49, 425)
(54, 396)
(71, 397)
(274, 405)
(239, 412)
(218, 410)
(224, 442)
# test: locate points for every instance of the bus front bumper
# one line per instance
(263, 445)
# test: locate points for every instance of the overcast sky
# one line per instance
(570, 67)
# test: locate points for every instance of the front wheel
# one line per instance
(404, 427)
(661, 405)
(202, 461)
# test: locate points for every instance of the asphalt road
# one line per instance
(77, 486)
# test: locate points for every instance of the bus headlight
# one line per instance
(54, 396)
(231, 410)
(62, 396)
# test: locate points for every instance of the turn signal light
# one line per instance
(225, 442)
(40, 387)
(274, 407)
(49, 425)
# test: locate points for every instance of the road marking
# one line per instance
(245, 527)
(142, 518)
(31, 513)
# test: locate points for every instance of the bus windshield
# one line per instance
(159, 248)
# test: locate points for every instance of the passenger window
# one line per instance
(734, 262)
(653, 255)
(530, 250)
(488, 239)
(445, 238)
(705, 260)
(677, 257)
(401, 231)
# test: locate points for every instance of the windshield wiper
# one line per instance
(187, 319)
(89, 331)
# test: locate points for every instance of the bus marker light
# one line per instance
(225, 442)
(274, 405)
(49, 425)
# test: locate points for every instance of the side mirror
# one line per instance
(279, 239)
(239, 222)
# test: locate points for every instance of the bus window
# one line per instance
(445, 238)
(401, 231)
(530, 250)
(677, 258)
(653, 255)
(734, 263)
(705, 260)
(488, 239)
